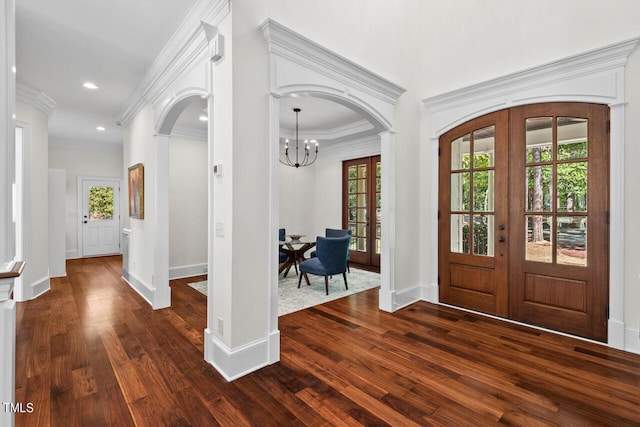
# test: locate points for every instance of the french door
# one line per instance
(524, 195)
(361, 208)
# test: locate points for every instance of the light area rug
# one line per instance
(293, 299)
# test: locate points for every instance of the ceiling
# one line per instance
(62, 44)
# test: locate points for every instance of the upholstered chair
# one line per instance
(333, 232)
(331, 258)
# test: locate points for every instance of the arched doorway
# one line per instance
(524, 198)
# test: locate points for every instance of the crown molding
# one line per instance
(339, 132)
(301, 50)
(188, 46)
(609, 58)
(34, 96)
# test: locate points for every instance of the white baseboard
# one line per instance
(146, 291)
(632, 340)
(157, 298)
(235, 363)
(39, 287)
(400, 299)
(187, 271)
(71, 253)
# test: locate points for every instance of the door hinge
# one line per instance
(439, 151)
(607, 219)
(607, 313)
(438, 279)
(438, 214)
(608, 126)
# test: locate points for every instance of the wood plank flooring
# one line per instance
(91, 352)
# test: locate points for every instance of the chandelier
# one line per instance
(306, 159)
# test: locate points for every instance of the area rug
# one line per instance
(293, 299)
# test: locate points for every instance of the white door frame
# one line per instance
(82, 178)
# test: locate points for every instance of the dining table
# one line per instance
(295, 248)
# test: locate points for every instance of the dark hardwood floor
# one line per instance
(91, 352)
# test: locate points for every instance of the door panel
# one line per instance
(362, 208)
(559, 175)
(473, 215)
(100, 217)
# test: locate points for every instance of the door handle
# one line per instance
(502, 239)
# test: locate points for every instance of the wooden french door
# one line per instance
(525, 235)
(361, 213)
(473, 215)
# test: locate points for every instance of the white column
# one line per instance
(7, 227)
(274, 214)
(162, 293)
(388, 225)
(616, 327)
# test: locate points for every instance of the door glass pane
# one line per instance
(572, 187)
(362, 171)
(483, 191)
(362, 244)
(460, 233)
(353, 172)
(483, 226)
(100, 203)
(362, 230)
(460, 153)
(539, 139)
(353, 186)
(539, 188)
(353, 201)
(572, 240)
(362, 186)
(460, 189)
(483, 147)
(572, 138)
(362, 215)
(538, 238)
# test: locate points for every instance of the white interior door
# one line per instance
(100, 217)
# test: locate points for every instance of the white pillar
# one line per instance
(162, 292)
(388, 225)
(7, 227)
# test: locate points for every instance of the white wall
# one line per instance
(187, 206)
(36, 272)
(57, 247)
(78, 162)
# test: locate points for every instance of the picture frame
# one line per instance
(136, 191)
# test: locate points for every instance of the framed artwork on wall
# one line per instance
(136, 191)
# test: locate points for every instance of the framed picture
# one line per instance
(136, 191)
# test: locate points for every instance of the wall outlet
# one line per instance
(220, 326)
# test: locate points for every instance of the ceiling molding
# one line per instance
(594, 76)
(187, 47)
(301, 50)
(34, 96)
(339, 132)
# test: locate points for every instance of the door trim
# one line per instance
(79, 206)
(567, 80)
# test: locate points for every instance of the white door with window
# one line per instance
(100, 217)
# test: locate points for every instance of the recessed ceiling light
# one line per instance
(90, 85)
(100, 128)
(203, 118)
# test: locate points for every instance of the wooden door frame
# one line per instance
(373, 258)
(80, 205)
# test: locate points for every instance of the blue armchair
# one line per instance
(331, 259)
(281, 236)
(333, 232)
